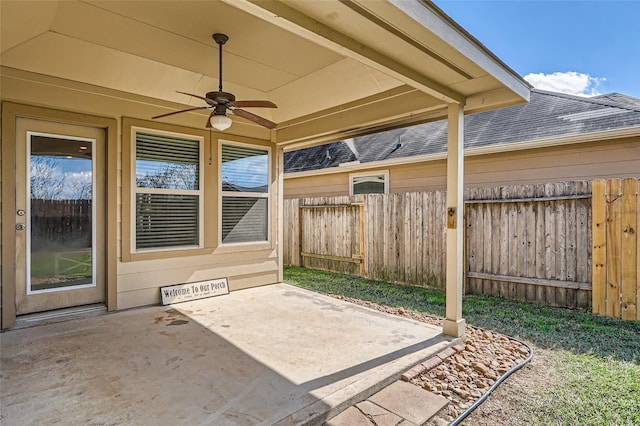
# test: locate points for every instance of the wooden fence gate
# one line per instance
(330, 233)
(616, 248)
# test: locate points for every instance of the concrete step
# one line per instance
(399, 404)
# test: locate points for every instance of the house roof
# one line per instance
(547, 116)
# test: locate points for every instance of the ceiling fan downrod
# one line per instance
(220, 39)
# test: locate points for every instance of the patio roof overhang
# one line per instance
(335, 69)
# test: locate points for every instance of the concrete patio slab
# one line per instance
(270, 355)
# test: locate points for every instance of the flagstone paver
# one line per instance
(379, 415)
(409, 401)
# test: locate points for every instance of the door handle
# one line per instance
(21, 226)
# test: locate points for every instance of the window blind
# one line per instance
(166, 220)
(167, 162)
(167, 196)
(244, 219)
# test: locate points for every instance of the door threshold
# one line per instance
(59, 315)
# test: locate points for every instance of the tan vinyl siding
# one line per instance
(429, 176)
(138, 281)
(619, 158)
(580, 161)
(317, 186)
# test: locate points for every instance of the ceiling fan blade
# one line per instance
(178, 112)
(255, 104)
(207, 100)
(255, 118)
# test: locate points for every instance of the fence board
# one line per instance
(549, 244)
(638, 250)
(474, 246)
(560, 239)
(514, 243)
(614, 243)
(487, 229)
(570, 246)
(583, 245)
(530, 229)
(521, 267)
(540, 246)
(629, 273)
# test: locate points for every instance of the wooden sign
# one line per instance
(193, 291)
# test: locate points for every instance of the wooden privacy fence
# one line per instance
(56, 222)
(616, 248)
(390, 237)
(530, 243)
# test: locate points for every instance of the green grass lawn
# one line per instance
(598, 357)
(66, 265)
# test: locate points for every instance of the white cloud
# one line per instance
(571, 82)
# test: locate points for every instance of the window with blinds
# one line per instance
(245, 194)
(167, 191)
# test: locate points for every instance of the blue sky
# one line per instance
(578, 47)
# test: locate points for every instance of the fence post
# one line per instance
(599, 253)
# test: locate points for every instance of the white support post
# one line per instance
(454, 325)
(280, 210)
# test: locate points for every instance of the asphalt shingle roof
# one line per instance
(547, 115)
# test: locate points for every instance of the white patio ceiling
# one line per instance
(334, 68)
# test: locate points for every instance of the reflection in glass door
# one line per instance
(61, 225)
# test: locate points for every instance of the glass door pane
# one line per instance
(61, 226)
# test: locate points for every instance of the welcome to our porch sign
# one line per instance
(193, 291)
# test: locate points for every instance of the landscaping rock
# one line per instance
(465, 372)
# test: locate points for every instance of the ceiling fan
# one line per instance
(220, 102)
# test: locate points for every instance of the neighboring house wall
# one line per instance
(577, 161)
(136, 278)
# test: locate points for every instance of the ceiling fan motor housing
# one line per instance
(221, 97)
(223, 100)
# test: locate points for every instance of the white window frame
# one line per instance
(222, 193)
(135, 190)
(384, 173)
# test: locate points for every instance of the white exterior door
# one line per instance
(59, 216)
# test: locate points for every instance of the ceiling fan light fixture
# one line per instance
(220, 122)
